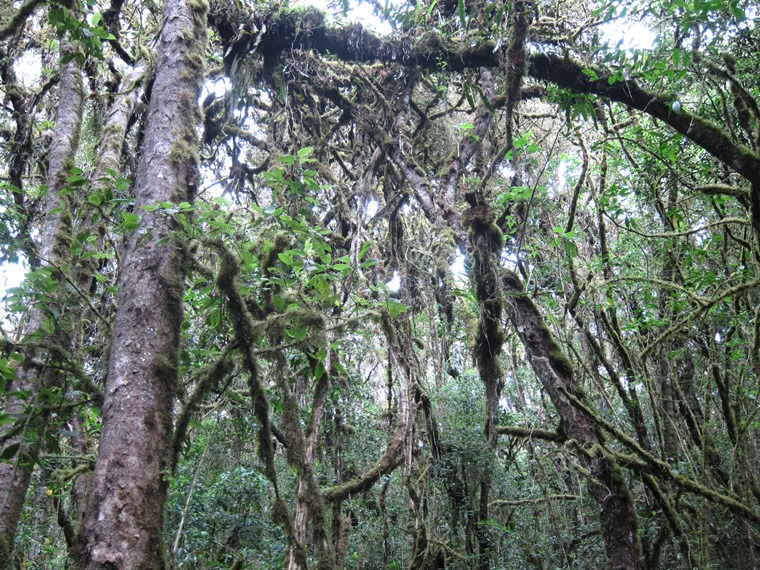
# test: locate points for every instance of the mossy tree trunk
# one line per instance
(123, 522)
(85, 269)
(606, 484)
(49, 324)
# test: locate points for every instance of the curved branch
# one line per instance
(569, 74)
(18, 19)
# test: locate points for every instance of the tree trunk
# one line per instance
(606, 484)
(123, 523)
(39, 369)
(85, 270)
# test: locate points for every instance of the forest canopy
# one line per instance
(466, 285)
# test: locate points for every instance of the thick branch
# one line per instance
(431, 51)
(531, 433)
(569, 74)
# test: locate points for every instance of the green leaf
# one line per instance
(430, 8)
(76, 181)
(9, 452)
(366, 246)
(395, 308)
(95, 199)
(591, 74)
(462, 13)
(298, 333)
(129, 221)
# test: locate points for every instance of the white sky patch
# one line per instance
(395, 283)
(458, 269)
(631, 35)
(505, 170)
(219, 87)
(510, 260)
(28, 68)
(11, 275)
(561, 180)
(359, 12)
(364, 16)
(372, 206)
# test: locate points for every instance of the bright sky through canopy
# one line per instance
(632, 35)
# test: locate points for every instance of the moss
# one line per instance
(5, 549)
(479, 217)
(307, 317)
(196, 61)
(304, 17)
(430, 43)
(556, 356)
(310, 18)
(147, 54)
(280, 243)
(166, 368)
(200, 7)
(112, 129)
(495, 238)
(184, 152)
(291, 428)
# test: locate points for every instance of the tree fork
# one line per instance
(606, 484)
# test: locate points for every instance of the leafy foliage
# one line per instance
(334, 160)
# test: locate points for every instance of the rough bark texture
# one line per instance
(606, 483)
(84, 271)
(123, 524)
(607, 486)
(302, 456)
(36, 371)
(486, 244)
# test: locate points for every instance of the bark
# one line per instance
(486, 242)
(486, 247)
(123, 524)
(618, 517)
(18, 19)
(302, 455)
(39, 368)
(84, 275)
(567, 73)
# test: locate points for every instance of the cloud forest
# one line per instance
(449, 284)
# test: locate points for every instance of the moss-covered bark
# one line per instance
(430, 50)
(123, 523)
(606, 483)
(39, 370)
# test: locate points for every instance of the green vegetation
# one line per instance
(567, 376)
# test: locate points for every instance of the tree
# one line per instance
(49, 324)
(604, 203)
(123, 522)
